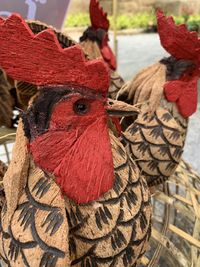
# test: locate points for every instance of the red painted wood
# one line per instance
(181, 44)
(99, 20)
(39, 59)
(97, 16)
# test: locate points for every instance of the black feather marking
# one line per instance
(103, 216)
(114, 246)
(157, 131)
(125, 260)
(130, 254)
(98, 220)
(175, 135)
(166, 117)
(121, 236)
(107, 212)
(153, 165)
(53, 221)
(143, 147)
(72, 245)
(143, 221)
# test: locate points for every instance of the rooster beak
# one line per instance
(120, 109)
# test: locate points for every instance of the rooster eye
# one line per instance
(81, 107)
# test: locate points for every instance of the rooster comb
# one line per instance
(97, 16)
(39, 59)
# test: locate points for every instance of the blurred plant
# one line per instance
(129, 21)
(193, 23)
(77, 20)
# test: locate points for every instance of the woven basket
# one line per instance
(175, 237)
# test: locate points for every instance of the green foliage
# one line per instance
(77, 20)
(139, 20)
(131, 21)
(194, 23)
(179, 19)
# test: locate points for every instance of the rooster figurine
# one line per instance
(95, 44)
(167, 86)
(74, 197)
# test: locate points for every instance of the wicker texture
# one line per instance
(175, 240)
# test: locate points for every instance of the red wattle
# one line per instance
(109, 57)
(184, 93)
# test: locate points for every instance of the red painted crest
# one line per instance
(181, 44)
(97, 16)
(39, 59)
(99, 20)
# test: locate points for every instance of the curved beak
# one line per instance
(120, 109)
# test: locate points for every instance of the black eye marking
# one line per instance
(81, 107)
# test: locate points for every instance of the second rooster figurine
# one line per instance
(73, 195)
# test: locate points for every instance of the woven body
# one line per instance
(159, 133)
(113, 230)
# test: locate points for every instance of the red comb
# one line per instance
(40, 60)
(97, 16)
(177, 40)
(181, 44)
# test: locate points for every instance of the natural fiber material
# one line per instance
(63, 65)
(146, 86)
(156, 143)
(157, 155)
(116, 83)
(6, 102)
(38, 231)
(15, 178)
(176, 221)
(97, 33)
(91, 49)
(73, 195)
(24, 90)
(115, 228)
(98, 16)
(3, 169)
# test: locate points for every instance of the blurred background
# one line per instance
(132, 35)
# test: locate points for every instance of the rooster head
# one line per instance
(184, 46)
(98, 32)
(67, 122)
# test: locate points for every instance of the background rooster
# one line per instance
(169, 85)
(73, 195)
(95, 43)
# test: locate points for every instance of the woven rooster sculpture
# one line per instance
(167, 87)
(73, 195)
(95, 43)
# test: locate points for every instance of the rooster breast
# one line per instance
(113, 231)
(47, 229)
